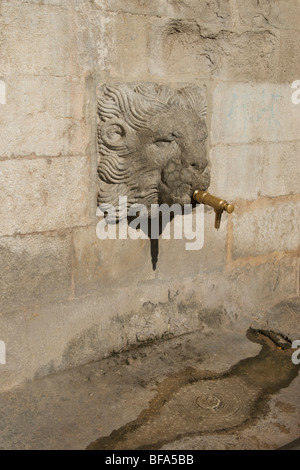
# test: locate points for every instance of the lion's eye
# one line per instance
(163, 142)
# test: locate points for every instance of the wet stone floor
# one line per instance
(184, 393)
(192, 403)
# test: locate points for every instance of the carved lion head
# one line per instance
(152, 144)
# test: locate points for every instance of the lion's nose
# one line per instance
(196, 157)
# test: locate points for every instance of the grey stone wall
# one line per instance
(68, 298)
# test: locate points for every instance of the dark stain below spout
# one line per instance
(192, 403)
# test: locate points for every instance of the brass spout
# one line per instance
(219, 205)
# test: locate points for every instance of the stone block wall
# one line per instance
(67, 297)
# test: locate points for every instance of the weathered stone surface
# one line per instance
(174, 260)
(255, 14)
(116, 318)
(134, 376)
(60, 3)
(239, 52)
(35, 269)
(100, 264)
(179, 50)
(184, 48)
(42, 135)
(36, 40)
(282, 318)
(44, 116)
(96, 267)
(114, 46)
(132, 58)
(251, 290)
(2, 92)
(209, 12)
(245, 113)
(250, 171)
(289, 60)
(267, 230)
(43, 194)
(283, 14)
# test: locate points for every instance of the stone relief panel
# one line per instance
(151, 144)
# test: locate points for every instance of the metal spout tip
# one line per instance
(218, 204)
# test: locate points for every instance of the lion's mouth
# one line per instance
(179, 183)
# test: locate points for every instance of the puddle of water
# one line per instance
(191, 402)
